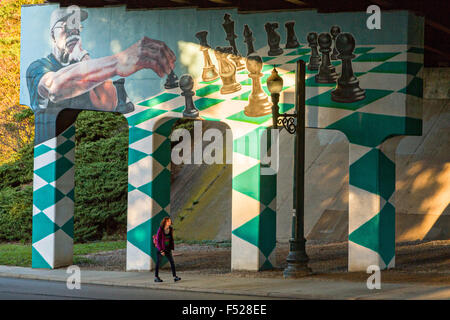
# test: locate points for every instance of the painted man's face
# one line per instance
(65, 38)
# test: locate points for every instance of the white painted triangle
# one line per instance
(363, 206)
(356, 152)
(137, 260)
(46, 247)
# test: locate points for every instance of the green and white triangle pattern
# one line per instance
(254, 195)
(148, 186)
(371, 206)
(53, 201)
(253, 207)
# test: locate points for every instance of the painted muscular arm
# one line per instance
(87, 74)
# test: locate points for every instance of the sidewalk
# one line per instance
(305, 288)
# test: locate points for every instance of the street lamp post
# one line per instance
(297, 258)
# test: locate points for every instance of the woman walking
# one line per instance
(164, 246)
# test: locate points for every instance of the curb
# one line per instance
(157, 287)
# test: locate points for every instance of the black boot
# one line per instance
(157, 279)
(175, 279)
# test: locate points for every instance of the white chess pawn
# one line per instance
(258, 101)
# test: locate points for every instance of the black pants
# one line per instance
(159, 256)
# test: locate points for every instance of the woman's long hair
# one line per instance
(163, 222)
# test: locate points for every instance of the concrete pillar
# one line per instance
(372, 206)
(253, 204)
(53, 200)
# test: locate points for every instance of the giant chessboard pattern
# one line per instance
(392, 78)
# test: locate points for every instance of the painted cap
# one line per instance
(62, 14)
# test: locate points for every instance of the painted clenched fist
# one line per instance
(146, 54)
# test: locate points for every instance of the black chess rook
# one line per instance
(314, 59)
(327, 72)
(347, 89)
(334, 31)
(273, 39)
(291, 38)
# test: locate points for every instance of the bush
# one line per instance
(16, 213)
(100, 182)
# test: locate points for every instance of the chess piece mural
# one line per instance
(130, 72)
(258, 101)
(209, 70)
(291, 41)
(314, 59)
(248, 36)
(327, 72)
(273, 39)
(334, 31)
(227, 70)
(228, 25)
(348, 89)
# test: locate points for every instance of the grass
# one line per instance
(16, 254)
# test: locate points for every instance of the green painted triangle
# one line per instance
(416, 50)
(143, 116)
(65, 147)
(136, 134)
(166, 128)
(266, 265)
(267, 231)
(370, 130)
(140, 236)
(68, 227)
(164, 97)
(374, 172)
(201, 104)
(324, 99)
(249, 144)
(248, 182)
(69, 133)
(54, 170)
(260, 231)
(400, 67)
(378, 234)
(414, 88)
(360, 50)
(386, 176)
(268, 188)
(42, 227)
(159, 188)
(135, 155)
(131, 187)
(71, 195)
(240, 116)
(162, 154)
(46, 197)
(375, 56)
(37, 261)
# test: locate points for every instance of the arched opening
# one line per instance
(201, 198)
(101, 175)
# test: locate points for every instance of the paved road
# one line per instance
(11, 288)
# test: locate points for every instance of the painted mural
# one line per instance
(156, 66)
